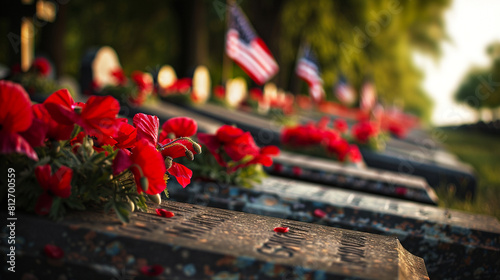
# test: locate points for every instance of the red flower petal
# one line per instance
(180, 127)
(126, 136)
(340, 125)
(60, 107)
(56, 131)
(181, 173)
(53, 251)
(99, 116)
(152, 270)
(281, 229)
(212, 144)
(35, 135)
(61, 182)
(242, 146)
(15, 108)
(177, 149)
(15, 143)
(164, 213)
(147, 128)
(152, 166)
(43, 204)
(228, 133)
(270, 150)
(318, 213)
(121, 162)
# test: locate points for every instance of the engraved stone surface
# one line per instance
(370, 180)
(454, 244)
(205, 243)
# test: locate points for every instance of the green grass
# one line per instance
(481, 151)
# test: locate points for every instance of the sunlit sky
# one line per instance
(471, 26)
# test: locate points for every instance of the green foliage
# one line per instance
(206, 168)
(482, 152)
(480, 88)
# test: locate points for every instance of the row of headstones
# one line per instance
(204, 242)
(424, 230)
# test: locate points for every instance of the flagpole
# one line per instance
(295, 83)
(227, 64)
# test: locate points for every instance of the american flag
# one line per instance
(308, 70)
(344, 92)
(368, 96)
(247, 50)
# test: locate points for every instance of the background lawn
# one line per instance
(482, 151)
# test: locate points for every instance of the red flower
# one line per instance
(339, 147)
(57, 184)
(119, 76)
(239, 146)
(147, 163)
(355, 154)
(96, 117)
(143, 81)
(219, 92)
(56, 131)
(340, 125)
(42, 66)
(179, 127)
(147, 129)
(364, 130)
(256, 94)
(15, 116)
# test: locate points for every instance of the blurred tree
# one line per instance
(356, 38)
(480, 88)
(367, 37)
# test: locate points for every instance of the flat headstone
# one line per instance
(264, 131)
(166, 76)
(201, 242)
(336, 174)
(236, 92)
(438, 173)
(454, 244)
(201, 85)
(97, 66)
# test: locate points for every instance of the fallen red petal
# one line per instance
(164, 213)
(281, 229)
(318, 213)
(53, 252)
(152, 270)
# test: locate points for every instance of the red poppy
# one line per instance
(143, 81)
(364, 130)
(96, 117)
(179, 127)
(15, 116)
(147, 163)
(42, 66)
(119, 76)
(340, 125)
(213, 145)
(57, 184)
